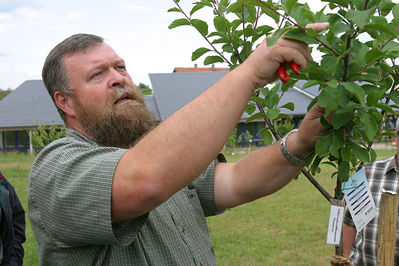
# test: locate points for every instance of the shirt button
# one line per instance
(183, 229)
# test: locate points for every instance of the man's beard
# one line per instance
(117, 125)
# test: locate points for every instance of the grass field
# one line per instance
(286, 228)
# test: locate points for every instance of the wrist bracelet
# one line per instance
(287, 155)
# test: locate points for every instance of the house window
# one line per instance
(9, 139)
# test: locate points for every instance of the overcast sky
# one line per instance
(136, 29)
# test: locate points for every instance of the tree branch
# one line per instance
(299, 26)
(206, 39)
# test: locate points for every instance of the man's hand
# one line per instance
(310, 131)
(264, 62)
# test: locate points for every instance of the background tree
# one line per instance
(44, 135)
(4, 93)
(145, 89)
(357, 75)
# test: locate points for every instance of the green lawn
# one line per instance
(287, 228)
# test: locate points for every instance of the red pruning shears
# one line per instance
(284, 75)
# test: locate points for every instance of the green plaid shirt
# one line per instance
(382, 174)
(69, 207)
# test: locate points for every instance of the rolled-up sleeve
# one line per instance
(205, 187)
(74, 192)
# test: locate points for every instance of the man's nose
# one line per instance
(117, 79)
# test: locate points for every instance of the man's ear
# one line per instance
(64, 102)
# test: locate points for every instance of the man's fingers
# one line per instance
(318, 27)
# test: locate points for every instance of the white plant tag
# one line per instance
(359, 199)
(335, 223)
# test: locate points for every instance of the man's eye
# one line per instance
(121, 68)
(97, 74)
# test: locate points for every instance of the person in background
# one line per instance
(119, 191)
(361, 247)
(12, 225)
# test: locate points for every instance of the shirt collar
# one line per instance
(392, 164)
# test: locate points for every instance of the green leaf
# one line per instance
(370, 125)
(373, 55)
(196, 8)
(235, 7)
(316, 72)
(257, 99)
(256, 116)
(299, 35)
(227, 48)
(374, 96)
(311, 83)
(289, 84)
(174, 9)
(342, 116)
(373, 155)
(395, 12)
(179, 22)
(389, 29)
(213, 59)
(346, 153)
(370, 77)
(302, 14)
(343, 170)
(223, 4)
(272, 113)
(289, 5)
(359, 152)
(356, 90)
(221, 24)
(250, 108)
(271, 40)
(264, 30)
(328, 99)
(329, 63)
(333, 148)
(360, 18)
(290, 106)
(385, 107)
(322, 145)
(198, 53)
(272, 99)
(267, 137)
(200, 25)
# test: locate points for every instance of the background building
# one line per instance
(30, 105)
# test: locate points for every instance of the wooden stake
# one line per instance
(387, 229)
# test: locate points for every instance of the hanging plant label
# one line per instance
(359, 199)
(335, 222)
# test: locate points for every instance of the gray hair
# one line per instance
(54, 73)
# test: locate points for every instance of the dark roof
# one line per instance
(152, 106)
(30, 105)
(173, 90)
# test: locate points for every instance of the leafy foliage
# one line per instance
(44, 135)
(145, 89)
(235, 138)
(4, 93)
(357, 75)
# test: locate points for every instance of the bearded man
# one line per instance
(119, 191)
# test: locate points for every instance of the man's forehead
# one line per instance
(94, 55)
